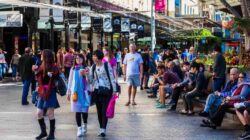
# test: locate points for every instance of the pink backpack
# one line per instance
(111, 107)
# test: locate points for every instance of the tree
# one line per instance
(243, 21)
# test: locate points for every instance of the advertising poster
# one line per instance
(125, 24)
(11, 20)
(140, 29)
(44, 16)
(97, 24)
(107, 23)
(86, 20)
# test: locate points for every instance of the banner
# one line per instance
(11, 20)
(44, 12)
(133, 26)
(86, 20)
(140, 29)
(72, 15)
(107, 23)
(97, 24)
(117, 24)
(125, 25)
(160, 6)
(58, 14)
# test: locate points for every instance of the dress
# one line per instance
(78, 83)
(45, 82)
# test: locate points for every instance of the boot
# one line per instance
(43, 129)
(52, 130)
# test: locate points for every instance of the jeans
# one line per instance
(218, 84)
(33, 83)
(212, 103)
(1, 71)
(188, 97)
(26, 85)
(14, 69)
(145, 75)
(176, 94)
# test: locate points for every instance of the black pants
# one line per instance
(79, 119)
(67, 71)
(188, 97)
(102, 102)
(218, 117)
(145, 75)
(176, 94)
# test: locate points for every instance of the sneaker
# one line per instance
(84, 129)
(146, 88)
(27, 103)
(141, 88)
(152, 96)
(161, 106)
(203, 114)
(172, 108)
(170, 103)
(245, 135)
(102, 132)
(79, 132)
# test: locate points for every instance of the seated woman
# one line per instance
(155, 84)
(198, 91)
(239, 93)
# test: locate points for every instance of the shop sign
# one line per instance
(125, 24)
(11, 20)
(107, 23)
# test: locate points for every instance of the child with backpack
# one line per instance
(77, 93)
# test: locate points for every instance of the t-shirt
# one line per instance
(118, 57)
(2, 58)
(133, 62)
(170, 77)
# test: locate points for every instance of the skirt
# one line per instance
(52, 102)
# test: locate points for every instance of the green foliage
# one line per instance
(242, 24)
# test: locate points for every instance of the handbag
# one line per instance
(110, 113)
(9, 70)
(74, 97)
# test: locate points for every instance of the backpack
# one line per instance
(118, 87)
(61, 85)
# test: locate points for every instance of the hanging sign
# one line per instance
(97, 24)
(86, 20)
(125, 25)
(117, 24)
(133, 26)
(107, 23)
(140, 29)
(57, 13)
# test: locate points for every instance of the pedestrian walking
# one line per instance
(47, 73)
(109, 57)
(103, 82)
(68, 62)
(14, 63)
(2, 64)
(26, 73)
(78, 94)
(133, 72)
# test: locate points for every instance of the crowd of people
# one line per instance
(92, 77)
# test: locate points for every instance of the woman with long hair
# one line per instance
(109, 57)
(77, 93)
(46, 74)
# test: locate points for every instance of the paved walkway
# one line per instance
(141, 122)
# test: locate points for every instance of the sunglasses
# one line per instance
(241, 77)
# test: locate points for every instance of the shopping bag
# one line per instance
(111, 107)
(9, 70)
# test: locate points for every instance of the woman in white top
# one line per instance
(101, 77)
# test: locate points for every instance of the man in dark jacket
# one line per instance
(26, 73)
(219, 69)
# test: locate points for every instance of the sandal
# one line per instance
(134, 103)
(127, 104)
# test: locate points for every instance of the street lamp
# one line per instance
(153, 39)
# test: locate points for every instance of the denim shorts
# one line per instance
(133, 80)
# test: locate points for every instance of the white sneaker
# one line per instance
(100, 131)
(84, 129)
(79, 132)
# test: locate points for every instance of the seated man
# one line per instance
(238, 93)
(169, 78)
(213, 100)
(187, 84)
(198, 91)
(155, 84)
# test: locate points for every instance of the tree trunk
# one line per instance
(247, 40)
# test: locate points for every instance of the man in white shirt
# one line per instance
(133, 72)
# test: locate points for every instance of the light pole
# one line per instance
(153, 39)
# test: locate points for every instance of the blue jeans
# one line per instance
(1, 71)
(26, 85)
(218, 84)
(14, 68)
(212, 103)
